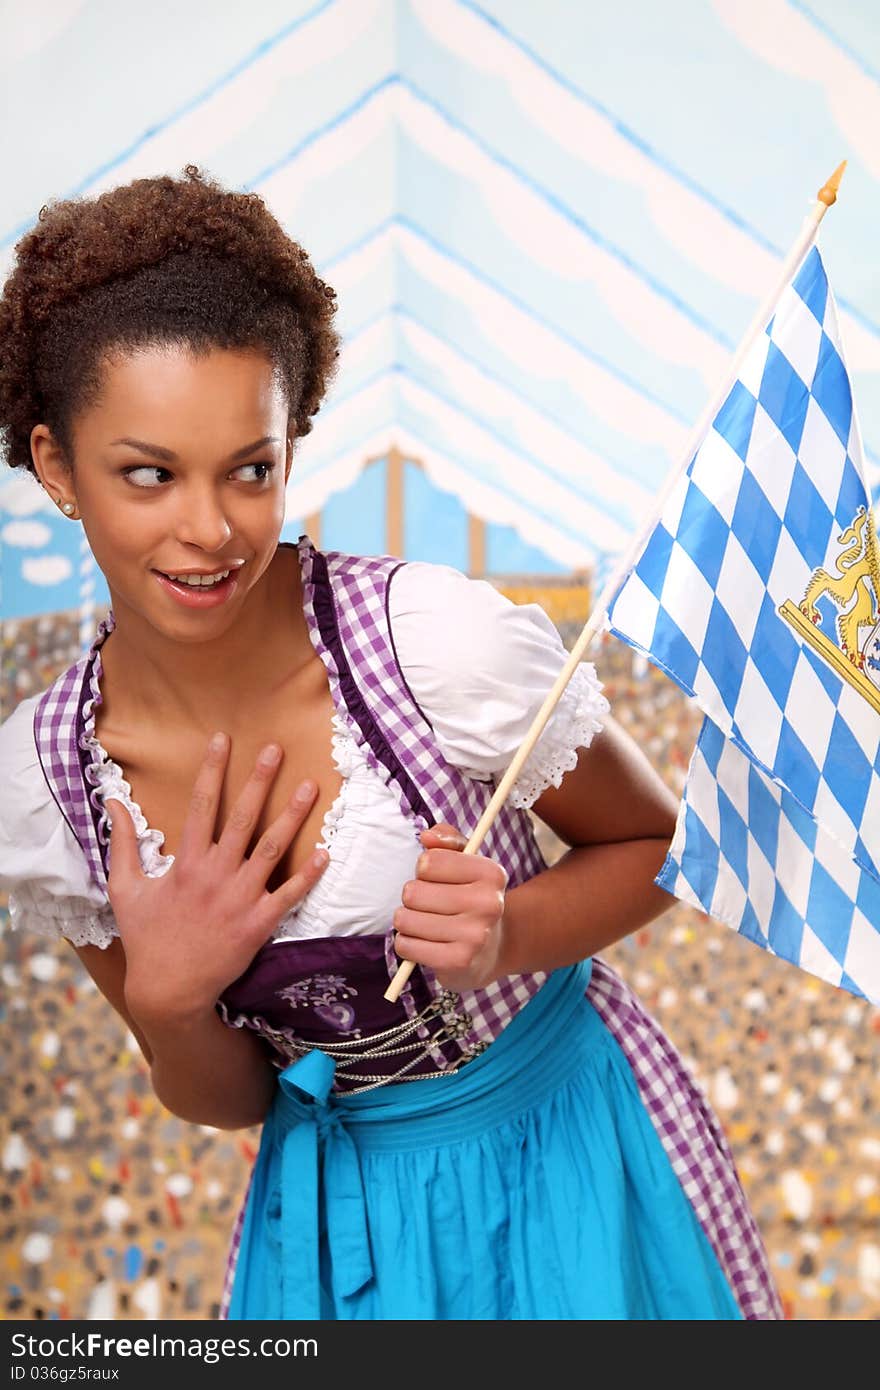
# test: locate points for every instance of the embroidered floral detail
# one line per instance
(316, 989)
(297, 994)
(333, 984)
(324, 994)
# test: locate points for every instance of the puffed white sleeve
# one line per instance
(480, 667)
(42, 867)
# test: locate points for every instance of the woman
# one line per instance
(307, 736)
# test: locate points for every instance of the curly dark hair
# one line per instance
(157, 261)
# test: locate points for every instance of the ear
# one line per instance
(288, 463)
(49, 462)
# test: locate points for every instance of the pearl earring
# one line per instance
(68, 508)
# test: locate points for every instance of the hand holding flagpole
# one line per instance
(825, 198)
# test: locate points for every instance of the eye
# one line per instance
(268, 466)
(128, 473)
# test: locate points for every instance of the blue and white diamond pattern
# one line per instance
(764, 503)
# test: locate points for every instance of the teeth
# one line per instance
(199, 581)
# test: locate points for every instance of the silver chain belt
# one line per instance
(353, 1053)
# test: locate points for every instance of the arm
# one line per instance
(618, 818)
(227, 1080)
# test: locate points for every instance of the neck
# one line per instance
(216, 684)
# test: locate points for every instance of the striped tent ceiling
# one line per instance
(547, 225)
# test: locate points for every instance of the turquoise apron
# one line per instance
(529, 1184)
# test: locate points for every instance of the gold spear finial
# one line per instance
(828, 194)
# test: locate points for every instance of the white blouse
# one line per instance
(479, 667)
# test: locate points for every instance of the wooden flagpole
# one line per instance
(826, 196)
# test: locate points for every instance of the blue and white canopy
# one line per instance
(548, 226)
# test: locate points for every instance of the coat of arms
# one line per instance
(852, 595)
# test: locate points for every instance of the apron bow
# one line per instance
(318, 1138)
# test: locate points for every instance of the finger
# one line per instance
(294, 889)
(439, 955)
(198, 829)
(276, 838)
(124, 856)
(444, 836)
(482, 897)
(439, 926)
(449, 866)
(240, 823)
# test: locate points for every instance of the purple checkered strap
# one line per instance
(60, 717)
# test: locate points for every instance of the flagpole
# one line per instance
(825, 198)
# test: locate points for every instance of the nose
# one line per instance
(202, 521)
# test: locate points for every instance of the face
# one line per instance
(181, 466)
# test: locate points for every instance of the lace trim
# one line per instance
(111, 783)
(345, 755)
(577, 717)
(87, 741)
(91, 930)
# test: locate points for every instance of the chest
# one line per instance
(161, 765)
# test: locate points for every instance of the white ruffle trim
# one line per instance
(306, 917)
(346, 758)
(114, 787)
(49, 917)
(577, 717)
(108, 783)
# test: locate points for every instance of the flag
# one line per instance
(758, 592)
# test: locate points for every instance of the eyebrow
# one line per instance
(156, 451)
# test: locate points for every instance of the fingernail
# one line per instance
(270, 754)
(305, 791)
(322, 857)
(218, 743)
(452, 841)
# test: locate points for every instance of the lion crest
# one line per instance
(855, 592)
